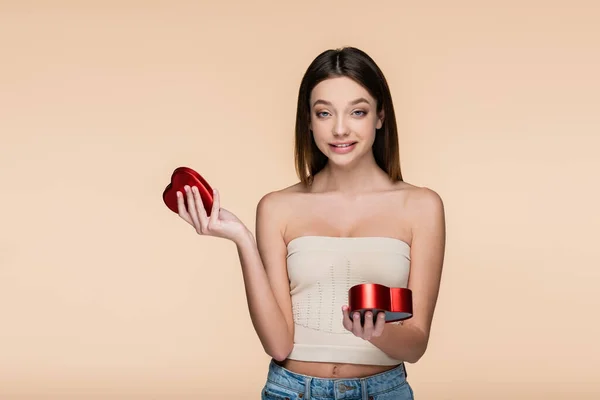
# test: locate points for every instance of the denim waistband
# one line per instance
(338, 388)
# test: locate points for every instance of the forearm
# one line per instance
(402, 342)
(266, 315)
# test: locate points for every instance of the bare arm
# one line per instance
(266, 284)
(266, 281)
(409, 340)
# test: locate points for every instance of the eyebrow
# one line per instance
(353, 102)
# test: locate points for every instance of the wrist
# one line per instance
(244, 238)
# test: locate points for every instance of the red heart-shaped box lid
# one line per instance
(395, 302)
(181, 177)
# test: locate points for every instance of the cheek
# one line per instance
(321, 138)
(366, 130)
(321, 131)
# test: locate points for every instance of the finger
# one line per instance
(357, 328)
(200, 211)
(192, 209)
(214, 212)
(181, 210)
(368, 326)
(346, 321)
(379, 325)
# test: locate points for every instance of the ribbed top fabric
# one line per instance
(321, 270)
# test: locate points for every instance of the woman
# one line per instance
(351, 219)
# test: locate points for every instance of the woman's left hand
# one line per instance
(369, 330)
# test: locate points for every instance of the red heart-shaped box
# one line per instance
(186, 176)
(395, 302)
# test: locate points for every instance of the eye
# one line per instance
(359, 113)
(322, 114)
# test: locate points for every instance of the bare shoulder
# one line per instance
(279, 197)
(420, 200)
(427, 218)
(275, 205)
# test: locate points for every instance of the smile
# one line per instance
(342, 148)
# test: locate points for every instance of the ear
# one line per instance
(380, 119)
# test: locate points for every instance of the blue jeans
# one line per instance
(283, 384)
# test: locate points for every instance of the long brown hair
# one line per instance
(357, 65)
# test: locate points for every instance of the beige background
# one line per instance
(105, 294)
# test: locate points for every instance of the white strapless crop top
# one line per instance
(321, 270)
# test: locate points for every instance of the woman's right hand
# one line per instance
(221, 223)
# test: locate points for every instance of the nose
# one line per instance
(340, 128)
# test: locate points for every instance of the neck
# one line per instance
(365, 175)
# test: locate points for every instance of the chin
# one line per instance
(345, 160)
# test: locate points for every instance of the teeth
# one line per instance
(343, 145)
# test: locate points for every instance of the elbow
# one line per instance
(413, 359)
(416, 355)
(419, 347)
(279, 357)
(281, 352)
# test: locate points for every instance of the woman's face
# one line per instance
(343, 119)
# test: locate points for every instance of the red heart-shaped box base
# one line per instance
(395, 302)
(181, 177)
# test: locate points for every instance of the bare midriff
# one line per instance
(333, 370)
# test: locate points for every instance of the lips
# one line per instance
(342, 145)
(342, 148)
